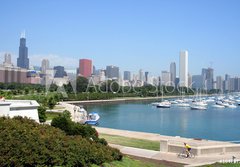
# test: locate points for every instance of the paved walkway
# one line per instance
(156, 155)
(172, 157)
(157, 137)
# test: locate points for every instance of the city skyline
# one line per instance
(153, 38)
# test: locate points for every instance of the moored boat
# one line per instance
(92, 118)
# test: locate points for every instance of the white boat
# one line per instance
(92, 118)
(200, 103)
(218, 106)
(173, 102)
(232, 106)
(183, 105)
(222, 103)
(164, 104)
(197, 107)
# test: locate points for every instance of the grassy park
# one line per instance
(131, 142)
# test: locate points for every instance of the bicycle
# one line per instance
(183, 154)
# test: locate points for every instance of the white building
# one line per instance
(173, 73)
(23, 108)
(166, 78)
(183, 69)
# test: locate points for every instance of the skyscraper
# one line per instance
(166, 78)
(197, 82)
(59, 72)
(23, 60)
(141, 76)
(112, 72)
(173, 73)
(208, 79)
(183, 69)
(7, 60)
(219, 83)
(45, 65)
(85, 67)
(127, 75)
(146, 77)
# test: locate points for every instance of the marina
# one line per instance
(212, 121)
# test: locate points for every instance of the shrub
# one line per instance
(64, 123)
(26, 143)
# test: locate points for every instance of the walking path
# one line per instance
(172, 157)
(158, 137)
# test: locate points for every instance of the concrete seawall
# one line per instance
(170, 144)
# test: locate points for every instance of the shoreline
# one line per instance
(158, 137)
(128, 99)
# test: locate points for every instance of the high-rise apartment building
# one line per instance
(219, 83)
(45, 66)
(173, 73)
(166, 78)
(85, 67)
(127, 75)
(208, 79)
(112, 72)
(183, 69)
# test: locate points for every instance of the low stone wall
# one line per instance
(166, 146)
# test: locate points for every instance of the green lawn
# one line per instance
(51, 115)
(129, 162)
(132, 142)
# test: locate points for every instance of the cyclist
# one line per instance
(188, 149)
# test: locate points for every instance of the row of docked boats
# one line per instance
(201, 103)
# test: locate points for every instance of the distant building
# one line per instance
(45, 66)
(219, 83)
(183, 69)
(146, 77)
(85, 67)
(22, 60)
(177, 81)
(173, 73)
(7, 60)
(13, 74)
(127, 75)
(94, 70)
(208, 78)
(189, 80)
(59, 72)
(141, 76)
(166, 78)
(227, 82)
(112, 72)
(197, 82)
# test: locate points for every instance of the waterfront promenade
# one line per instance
(207, 158)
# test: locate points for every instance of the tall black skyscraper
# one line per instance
(23, 60)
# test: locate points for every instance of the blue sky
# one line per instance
(131, 34)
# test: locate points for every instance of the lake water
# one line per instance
(212, 124)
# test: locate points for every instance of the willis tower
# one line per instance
(23, 60)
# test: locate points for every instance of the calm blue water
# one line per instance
(213, 123)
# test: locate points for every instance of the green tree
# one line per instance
(42, 114)
(51, 102)
(82, 84)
